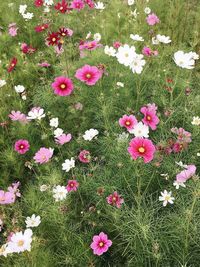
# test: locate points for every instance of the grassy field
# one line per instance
(144, 232)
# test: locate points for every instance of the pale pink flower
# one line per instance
(186, 174)
(63, 138)
(18, 116)
(43, 155)
(12, 29)
(152, 19)
(6, 197)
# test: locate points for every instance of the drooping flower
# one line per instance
(62, 86)
(44, 64)
(32, 221)
(72, 185)
(150, 117)
(43, 155)
(84, 156)
(128, 122)
(141, 147)
(152, 19)
(90, 134)
(100, 244)
(115, 200)
(186, 174)
(18, 116)
(166, 197)
(88, 74)
(63, 138)
(41, 28)
(20, 242)
(59, 193)
(12, 64)
(22, 146)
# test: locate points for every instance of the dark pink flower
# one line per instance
(88, 74)
(115, 200)
(77, 4)
(100, 244)
(89, 45)
(128, 122)
(84, 156)
(116, 44)
(62, 86)
(21, 146)
(72, 185)
(150, 117)
(141, 147)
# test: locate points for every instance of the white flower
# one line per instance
(163, 39)
(198, 154)
(110, 51)
(2, 83)
(19, 88)
(90, 134)
(131, 2)
(135, 13)
(48, 2)
(178, 184)
(24, 97)
(58, 132)
(44, 187)
(184, 60)
(166, 198)
(155, 41)
(88, 35)
(147, 10)
(196, 121)
(36, 114)
(180, 163)
(68, 165)
(22, 9)
(53, 122)
(46, 9)
(20, 242)
(136, 37)
(125, 54)
(194, 55)
(32, 221)
(27, 15)
(137, 64)
(4, 251)
(59, 192)
(99, 5)
(119, 84)
(140, 130)
(97, 37)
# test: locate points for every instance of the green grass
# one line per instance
(144, 234)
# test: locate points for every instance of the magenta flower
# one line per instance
(18, 116)
(150, 117)
(128, 122)
(21, 146)
(77, 4)
(62, 86)
(147, 51)
(84, 156)
(6, 197)
(72, 185)
(152, 19)
(63, 138)
(141, 147)
(43, 155)
(88, 74)
(183, 176)
(115, 200)
(89, 45)
(100, 244)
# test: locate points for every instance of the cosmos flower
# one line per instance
(63, 138)
(72, 185)
(166, 197)
(186, 174)
(90, 134)
(41, 28)
(115, 200)
(20, 241)
(43, 155)
(77, 4)
(62, 86)
(152, 19)
(22, 146)
(18, 116)
(100, 244)
(53, 38)
(150, 118)
(32, 221)
(84, 156)
(128, 122)
(12, 64)
(59, 193)
(68, 165)
(88, 74)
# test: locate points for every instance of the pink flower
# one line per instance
(44, 64)
(152, 19)
(22, 146)
(84, 156)
(116, 44)
(128, 122)
(115, 200)
(90, 3)
(77, 4)
(12, 29)
(18, 116)
(63, 138)
(147, 51)
(183, 176)
(142, 147)
(150, 117)
(89, 45)
(62, 86)
(43, 155)
(88, 74)
(183, 136)
(72, 185)
(100, 244)
(6, 197)
(14, 189)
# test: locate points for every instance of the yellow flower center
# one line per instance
(127, 123)
(148, 118)
(53, 39)
(63, 86)
(88, 75)
(101, 244)
(20, 243)
(141, 149)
